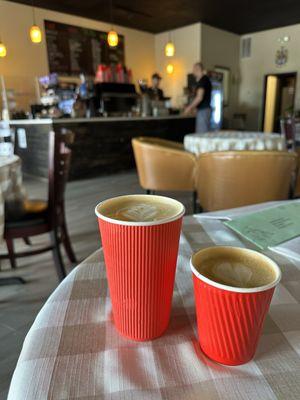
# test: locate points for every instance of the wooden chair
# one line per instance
(39, 217)
(288, 129)
(296, 192)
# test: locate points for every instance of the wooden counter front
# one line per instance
(102, 145)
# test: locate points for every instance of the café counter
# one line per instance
(101, 146)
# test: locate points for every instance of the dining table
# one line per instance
(233, 140)
(73, 350)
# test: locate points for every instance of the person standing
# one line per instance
(202, 99)
(155, 92)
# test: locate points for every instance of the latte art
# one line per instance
(139, 212)
(235, 274)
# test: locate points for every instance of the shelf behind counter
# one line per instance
(102, 145)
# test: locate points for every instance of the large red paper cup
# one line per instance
(140, 259)
(230, 319)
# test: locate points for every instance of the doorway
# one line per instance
(279, 96)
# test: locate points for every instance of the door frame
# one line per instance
(283, 75)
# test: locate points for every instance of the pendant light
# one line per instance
(170, 48)
(35, 32)
(112, 36)
(3, 50)
(170, 68)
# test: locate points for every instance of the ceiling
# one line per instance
(239, 16)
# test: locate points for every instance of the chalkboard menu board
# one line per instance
(72, 49)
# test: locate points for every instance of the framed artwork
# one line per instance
(226, 82)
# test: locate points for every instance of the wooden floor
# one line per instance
(19, 304)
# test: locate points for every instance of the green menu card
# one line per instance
(269, 227)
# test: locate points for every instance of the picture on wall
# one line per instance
(226, 82)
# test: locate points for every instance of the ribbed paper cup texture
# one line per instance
(140, 263)
(230, 319)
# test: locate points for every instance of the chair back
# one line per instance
(163, 164)
(288, 129)
(59, 166)
(239, 178)
(297, 180)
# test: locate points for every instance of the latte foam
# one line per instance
(140, 208)
(236, 268)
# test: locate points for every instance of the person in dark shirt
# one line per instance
(154, 92)
(202, 99)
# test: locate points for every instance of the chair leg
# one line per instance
(11, 253)
(58, 261)
(27, 241)
(67, 243)
(195, 206)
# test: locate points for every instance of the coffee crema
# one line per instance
(233, 268)
(141, 208)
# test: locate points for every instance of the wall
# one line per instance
(25, 60)
(221, 48)
(187, 42)
(262, 62)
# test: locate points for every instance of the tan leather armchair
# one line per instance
(238, 178)
(163, 165)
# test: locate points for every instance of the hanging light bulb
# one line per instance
(35, 32)
(169, 47)
(112, 38)
(3, 50)
(170, 68)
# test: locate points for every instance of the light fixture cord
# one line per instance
(33, 12)
(0, 35)
(111, 12)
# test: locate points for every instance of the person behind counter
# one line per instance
(154, 92)
(202, 99)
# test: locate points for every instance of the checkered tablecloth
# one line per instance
(73, 351)
(233, 140)
(11, 185)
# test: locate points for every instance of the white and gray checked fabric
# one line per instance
(233, 140)
(11, 184)
(73, 351)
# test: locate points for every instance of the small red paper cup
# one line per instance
(140, 259)
(230, 319)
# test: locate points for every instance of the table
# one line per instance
(73, 351)
(233, 140)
